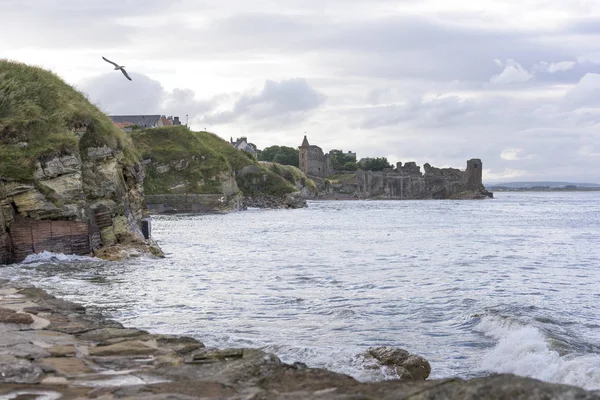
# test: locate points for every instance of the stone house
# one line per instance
(243, 145)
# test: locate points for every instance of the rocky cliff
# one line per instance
(408, 182)
(190, 171)
(70, 181)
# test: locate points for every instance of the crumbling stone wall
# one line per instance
(408, 182)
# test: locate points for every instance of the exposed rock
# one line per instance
(407, 365)
(100, 153)
(146, 366)
(291, 200)
(67, 366)
(81, 194)
(295, 200)
(104, 334)
(8, 316)
(62, 351)
(127, 348)
(15, 370)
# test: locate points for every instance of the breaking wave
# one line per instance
(49, 257)
(525, 350)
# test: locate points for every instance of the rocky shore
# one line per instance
(55, 349)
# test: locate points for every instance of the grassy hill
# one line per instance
(42, 117)
(183, 161)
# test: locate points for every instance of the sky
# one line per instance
(515, 83)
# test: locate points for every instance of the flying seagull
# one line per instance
(121, 67)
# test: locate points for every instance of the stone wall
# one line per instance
(30, 236)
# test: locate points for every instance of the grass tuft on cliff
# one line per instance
(183, 161)
(292, 174)
(42, 117)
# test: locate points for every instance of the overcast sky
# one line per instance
(513, 82)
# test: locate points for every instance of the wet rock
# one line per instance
(128, 348)
(295, 200)
(504, 387)
(74, 324)
(9, 316)
(16, 370)
(37, 310)
(407, 365)
(180, 345)
(208, 356)
(103, 334)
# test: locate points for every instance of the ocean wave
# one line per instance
(48, 256)
(525, 350)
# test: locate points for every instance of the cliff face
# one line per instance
(408, 182)
(70, 181)
(190, 171)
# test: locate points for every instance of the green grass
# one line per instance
(208, 155)
(39, 109)
(343, 178)
(292, 174)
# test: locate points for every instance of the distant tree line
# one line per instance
(339, 160)
(280, 154)
(374, 164)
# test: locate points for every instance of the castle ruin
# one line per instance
(403, 182)
(313, 162)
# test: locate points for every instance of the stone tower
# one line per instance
(473, 174)
(313, 162)
(303, 162)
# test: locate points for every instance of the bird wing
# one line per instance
(125, 73)
(108, 61)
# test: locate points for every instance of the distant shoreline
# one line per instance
(562, 189)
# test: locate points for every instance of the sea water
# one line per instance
(510, 284)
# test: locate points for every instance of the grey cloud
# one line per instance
(584, 26)
(143, 95)
(71, 24)
(289, 99)
(405, 47)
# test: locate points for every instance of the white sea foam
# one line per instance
(47, 256)
(524, 350)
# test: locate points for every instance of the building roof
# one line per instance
(122, 125)
(305, 142)
(144, 121)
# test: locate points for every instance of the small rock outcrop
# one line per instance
(405, 365)
(70, 181)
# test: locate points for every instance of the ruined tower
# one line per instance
(313, 162)
(473, 174)
(303, 162)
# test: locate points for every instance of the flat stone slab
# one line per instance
(9, 316)
(128, 348)
(67, 366)
(62, 351)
